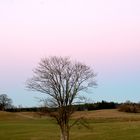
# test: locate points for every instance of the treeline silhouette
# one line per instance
(78, 107)
(97, 106)
(124, 107)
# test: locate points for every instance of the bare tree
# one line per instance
(5, 102)
(63, 80)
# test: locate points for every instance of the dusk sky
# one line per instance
(104, 34)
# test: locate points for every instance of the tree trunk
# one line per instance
(64, 134)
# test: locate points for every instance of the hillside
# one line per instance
(104, 125)
(97, 114)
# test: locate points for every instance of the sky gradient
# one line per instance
(101, 33)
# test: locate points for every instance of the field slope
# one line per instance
(104, 125)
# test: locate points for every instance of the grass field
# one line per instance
(104, 124)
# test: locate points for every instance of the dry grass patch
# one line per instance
(107, 114)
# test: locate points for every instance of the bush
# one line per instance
(129, 107)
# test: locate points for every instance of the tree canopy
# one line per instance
(63, 81)
(5, 102)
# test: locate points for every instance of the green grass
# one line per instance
(108, 127)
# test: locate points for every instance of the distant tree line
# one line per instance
(23, 109)
(128, 106)
(97, 106)
(6, 105)
(78, 107)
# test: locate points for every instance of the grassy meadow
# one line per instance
(104, 125)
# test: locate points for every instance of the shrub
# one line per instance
(129, 107)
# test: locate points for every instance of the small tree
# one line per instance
(63, 80)
(5, 102)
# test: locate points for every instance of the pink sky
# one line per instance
(102, 33)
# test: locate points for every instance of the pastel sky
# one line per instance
(104, 34)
